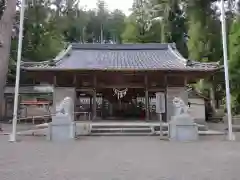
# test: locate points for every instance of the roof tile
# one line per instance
(122, 57)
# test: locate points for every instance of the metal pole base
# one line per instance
(164, 138)
(12, 138)
(231, 137)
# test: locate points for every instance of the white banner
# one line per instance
(160, 102)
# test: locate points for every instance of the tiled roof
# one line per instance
(193, 93)
(117, 57)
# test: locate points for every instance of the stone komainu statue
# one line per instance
(179, 106)
(63, 126)
(65, 107)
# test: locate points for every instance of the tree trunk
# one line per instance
(6, 25)
(212, 95)
(213, 99)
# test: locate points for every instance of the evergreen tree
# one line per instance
(234, 57)
(6, 26)
(140, 25)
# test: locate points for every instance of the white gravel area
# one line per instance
(119, 158)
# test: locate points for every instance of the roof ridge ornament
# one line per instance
(172, 48)
(51, 62)
(203, 64)
(189, 62)
(63, 53)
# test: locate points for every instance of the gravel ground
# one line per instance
(119, 158)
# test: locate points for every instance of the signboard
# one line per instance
(160, 102)
(43, 89)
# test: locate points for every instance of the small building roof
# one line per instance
(193, 93)
(120, 57)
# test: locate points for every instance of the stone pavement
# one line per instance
(119, 158)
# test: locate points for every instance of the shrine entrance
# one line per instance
(123, 104)
(116, 104)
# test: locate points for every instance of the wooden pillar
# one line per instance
(75, 80)
(147, 103)
(91, 102)
(185, 81)
(54, 94)
(186, 92)
(165, 97)
(146, 98)
(94, 104)
(55, 80)
(94, 97)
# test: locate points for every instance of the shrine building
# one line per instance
(118, 81)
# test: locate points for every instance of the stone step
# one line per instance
(121, 134)
(135, 127)
(156, 133)
(120, 130)
(155, 125)
(106, 132)
(142, 129)
(127, 128)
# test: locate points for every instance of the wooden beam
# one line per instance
(121, 86)
(84, 90)
(156, 89)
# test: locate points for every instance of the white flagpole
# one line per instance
(225, 57)
(19, 55)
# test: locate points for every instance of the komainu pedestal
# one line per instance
(182, 126)
(63, 127)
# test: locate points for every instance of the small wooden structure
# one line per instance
(31, 102)
(35, 108)
(118, 79)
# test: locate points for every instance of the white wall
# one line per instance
(2, 109)
(197, 109)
